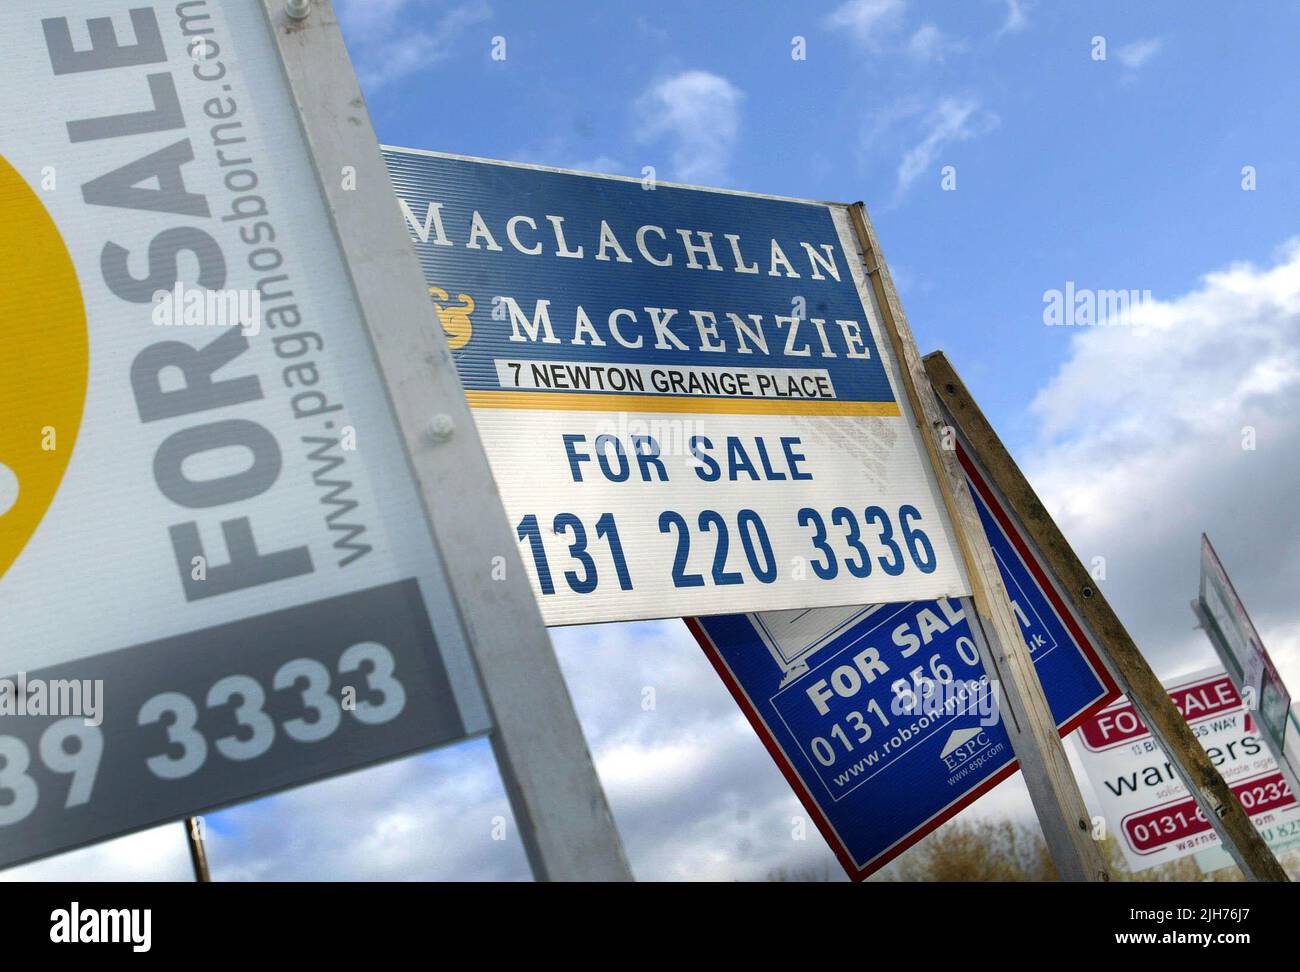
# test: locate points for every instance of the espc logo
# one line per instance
(962, 745)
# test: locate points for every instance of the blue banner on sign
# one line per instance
(881, 717)
(587, 290)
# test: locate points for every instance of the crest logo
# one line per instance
(454, 319)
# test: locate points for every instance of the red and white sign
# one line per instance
(1145, 803)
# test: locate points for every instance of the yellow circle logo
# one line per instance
(44, 360)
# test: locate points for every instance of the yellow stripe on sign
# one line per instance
(44, 356)
(577, 402)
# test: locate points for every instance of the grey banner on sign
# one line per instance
(187, 723)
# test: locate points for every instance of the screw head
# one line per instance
(441, 427)
(297, 9)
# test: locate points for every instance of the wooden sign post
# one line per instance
(1061, 811)
(1117, 649)
(198, 852)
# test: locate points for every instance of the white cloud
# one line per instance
(561, 152)
(929, 43)
(1136, 54)
(1017, 17)
(386, 47)
(1141, 451)
(951, 120)
(428, 817)
(699, 114)
(868, 21)
(694, 793)
(159, 854)
(605, 164)
(369, 19)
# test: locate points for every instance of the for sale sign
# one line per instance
(1240, 647)
(882, 718)
(216, 578)
(1145, 803)
(685, 394)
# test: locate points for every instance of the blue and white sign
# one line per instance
(882, 717)
(686, 394)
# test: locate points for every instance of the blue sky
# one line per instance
(1123, 173)
(1115, 173)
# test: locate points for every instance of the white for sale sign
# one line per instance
(1145, 803)
(216, 576)
(687, 395)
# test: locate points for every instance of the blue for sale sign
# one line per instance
(882, 717)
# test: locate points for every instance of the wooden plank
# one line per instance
(1130, 669)
(1055, 794)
